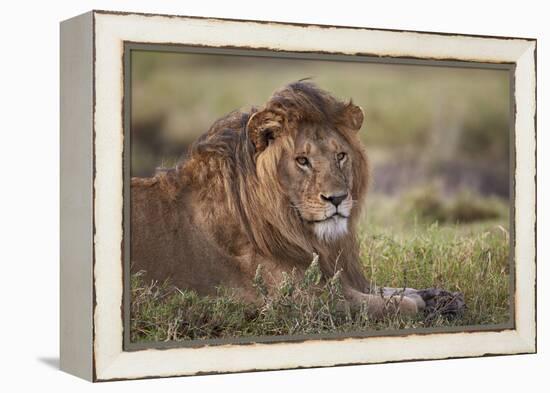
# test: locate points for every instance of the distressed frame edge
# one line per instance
(76, 196)
(525, 222)
(304, 24)
(527, 339)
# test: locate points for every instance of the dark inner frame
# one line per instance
(263, 52)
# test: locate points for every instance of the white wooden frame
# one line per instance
(92, 91)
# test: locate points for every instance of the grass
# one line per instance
(468, 257)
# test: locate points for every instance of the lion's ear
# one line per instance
(263, 127)
(353, 116)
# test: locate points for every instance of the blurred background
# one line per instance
(437, 137)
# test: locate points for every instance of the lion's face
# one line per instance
(310, 165)
(317, 176)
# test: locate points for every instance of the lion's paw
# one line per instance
(442, 302)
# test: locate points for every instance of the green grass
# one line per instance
(471, 258)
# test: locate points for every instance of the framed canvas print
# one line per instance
(245, 195)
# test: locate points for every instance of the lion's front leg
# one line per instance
(433, 301)
(379, 305)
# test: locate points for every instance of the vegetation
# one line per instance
(464, 207)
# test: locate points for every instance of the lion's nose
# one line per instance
(334, 199)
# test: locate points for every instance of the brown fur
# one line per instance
(240, 200)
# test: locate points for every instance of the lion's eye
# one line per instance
(303, 161)
(341, 156)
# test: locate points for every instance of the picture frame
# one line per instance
(94, 341)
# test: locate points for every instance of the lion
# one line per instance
(267, 187)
